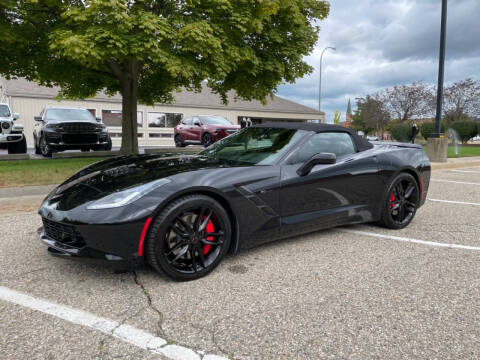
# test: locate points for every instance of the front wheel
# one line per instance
(178, 141)
(401, 203)
(206, 139)
(44, 147)
(19, 147)
(189, 238)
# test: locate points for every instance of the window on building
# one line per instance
(114, 118)
(160, 135)
(140, 135)
(161, 120)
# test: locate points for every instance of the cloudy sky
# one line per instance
(381, 43)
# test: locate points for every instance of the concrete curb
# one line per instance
(88, 154)
(15, 157)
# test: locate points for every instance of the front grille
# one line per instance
(65, 234)
(80, 138)
(78, 127)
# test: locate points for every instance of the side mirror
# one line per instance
(317, 159)
(98, 119)
(37, 118)
(16, 116)
(196, 123)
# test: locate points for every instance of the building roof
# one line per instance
(204, 99)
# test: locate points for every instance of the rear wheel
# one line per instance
(189, 238)
(400, 206)
(19, 147)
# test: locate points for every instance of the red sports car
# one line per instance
(203, 129)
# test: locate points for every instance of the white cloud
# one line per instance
(385, 43)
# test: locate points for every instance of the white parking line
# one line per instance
(454, 202)
(398, 238)
(126, 333)
(466, 171)
(455, 182)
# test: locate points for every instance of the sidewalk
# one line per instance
(453, 163)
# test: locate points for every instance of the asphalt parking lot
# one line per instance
(357, 292)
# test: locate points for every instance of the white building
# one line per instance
(155, 123)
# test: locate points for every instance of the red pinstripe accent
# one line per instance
(142, 236)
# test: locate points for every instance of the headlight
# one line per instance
(126, 197)
(54, 126)
(5, 125)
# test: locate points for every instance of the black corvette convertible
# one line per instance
(183, 213)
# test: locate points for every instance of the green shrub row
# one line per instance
(466, 130)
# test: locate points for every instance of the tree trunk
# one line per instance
(129, 83)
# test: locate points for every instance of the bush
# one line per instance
(428, 128)
(465, 130)
(401, 132)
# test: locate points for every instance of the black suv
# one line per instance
(59, 128)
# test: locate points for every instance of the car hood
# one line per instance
(4, 118)
(73, 121)
(105, 177)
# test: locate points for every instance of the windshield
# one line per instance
(214, 120)
(69, 114)
(254, 146)
(4, 111)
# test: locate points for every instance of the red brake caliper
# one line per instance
(392, 200)
(209, 229)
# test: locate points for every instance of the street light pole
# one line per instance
(320, 78)
(441, 70)
(437, 144)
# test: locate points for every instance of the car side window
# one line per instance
(338, 143)
(187, 121)
(196, 121)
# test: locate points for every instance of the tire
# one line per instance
(401, 202)
(19, 147)
(178, 141)
(45, 149)
(108, 147)
(206, 139)
(37, 148)
(175, 249)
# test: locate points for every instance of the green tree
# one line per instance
(147, 49)
(465, 130)
(336, 117)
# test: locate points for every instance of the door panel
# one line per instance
(330, 194)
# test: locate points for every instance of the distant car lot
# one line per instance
(356, 292)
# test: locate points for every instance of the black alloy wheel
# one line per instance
(402, 201)
(189, 238)
(206, 139)
(178, 141)
(44, 147)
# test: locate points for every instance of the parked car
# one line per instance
(11, 134)
(62, 128)
(203, 130)
(182, 214)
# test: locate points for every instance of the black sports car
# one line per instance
(183, 213)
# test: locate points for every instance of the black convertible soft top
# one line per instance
(361, 143)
